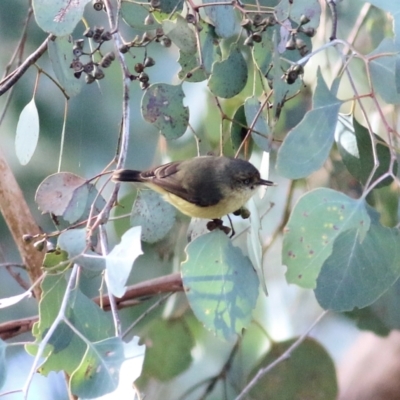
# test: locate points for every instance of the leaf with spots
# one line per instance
(317, 219)
(162, 105)
(358, 272)
(220, 283)
(153, 214)
(98, 372)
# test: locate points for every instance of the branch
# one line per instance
(20, 221)
(133, 296)
(10, 80)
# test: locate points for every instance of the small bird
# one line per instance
(202, 187)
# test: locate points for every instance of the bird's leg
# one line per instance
(218, 224)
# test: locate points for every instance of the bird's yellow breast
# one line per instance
(227, 205)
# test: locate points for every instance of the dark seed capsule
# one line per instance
(88, 32)
(124, 48)
(98, 5)
(89, 79)
(148, 62)
(166, 41)
(27, 238)
(139, 67)
(256, 37)
(79, 43)
(78, 74)
(106, 36)
(149, 20)
(77, 51)
(249, 41)
(190, 18)
(143, 77)
(304, 20)
(89, 67)
(310, 32)
(76, 65)
(144, 85)
(98, 74)
(291, 43)
(257, 19)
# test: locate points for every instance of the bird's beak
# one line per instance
(266, 183)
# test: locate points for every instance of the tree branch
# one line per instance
(165, 284)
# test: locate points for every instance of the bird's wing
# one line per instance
(171, 179)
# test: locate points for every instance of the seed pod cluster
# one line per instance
(255, 26)
(91, 68)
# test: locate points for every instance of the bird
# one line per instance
(208, 187)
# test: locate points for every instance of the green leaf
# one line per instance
(391, 7)
(67, 349)
(74, 242)
(309, 8)
(309, 373)
(162, 105)
(355, 147)
(135, 14)
(262, 137)
(220, 284)
(98, 373)
(239, 132)
(58, 16)
(27, 134)
(358, 271)
(119, 261)
(385, 66)
(263, 51)
(56, 261)
(61, 56)
(307, 146)
(153, 214)
(181, 33)
(317, 219)
(229, 76)
(190, 63)
(382, 316)
(3, 365)
(169, 343)
(223, 18)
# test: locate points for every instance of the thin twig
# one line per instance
(10, 80)
(284, 356)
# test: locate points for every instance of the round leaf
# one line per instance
(153, 214)
(220, 284)
(317, 219)
(229, 76)
(162, 105)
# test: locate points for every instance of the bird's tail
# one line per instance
(126, 175)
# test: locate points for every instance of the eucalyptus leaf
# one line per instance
(61, 56)
(220, 284)
(153, 214)
(27, 134)
(307, 146)
(355, 147)
(119, 261)
(58, 17)
(98, 373)
(358, 272)
(223, 18)
(229, 76)
(318, 218)
(162, 105)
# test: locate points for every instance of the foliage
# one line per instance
(259, 64)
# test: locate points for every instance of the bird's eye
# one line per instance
(246, 181)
